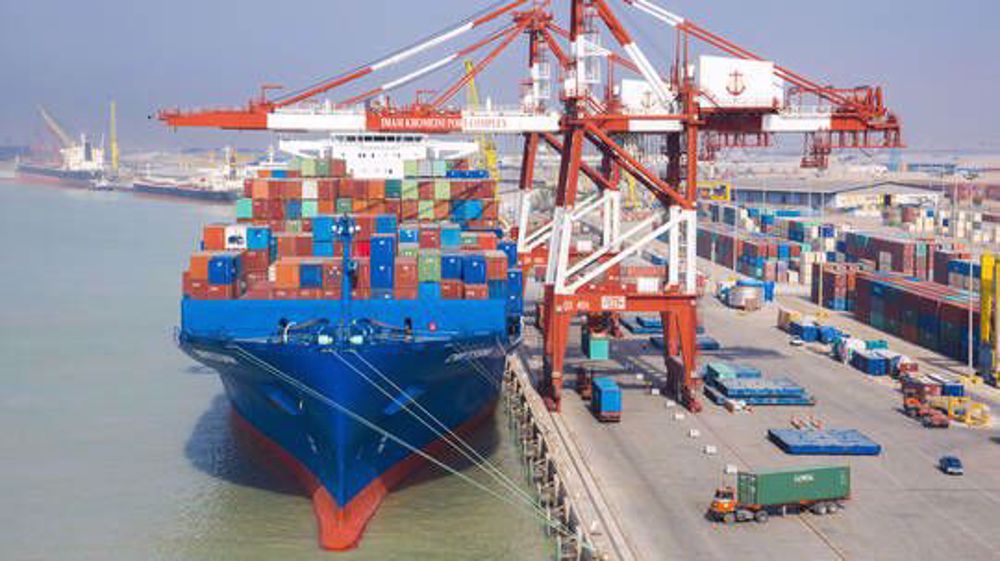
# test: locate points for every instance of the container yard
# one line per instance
(603, 316)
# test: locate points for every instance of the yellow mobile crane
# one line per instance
(487, 145)
(989, 319)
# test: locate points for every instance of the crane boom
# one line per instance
(64, 139)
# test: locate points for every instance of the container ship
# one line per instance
(359, 313)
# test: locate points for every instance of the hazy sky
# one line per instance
(940, 61)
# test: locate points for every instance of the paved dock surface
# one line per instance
(658, 481)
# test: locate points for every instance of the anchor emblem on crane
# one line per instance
(736, 85)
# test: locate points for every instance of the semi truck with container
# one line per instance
(756, 496)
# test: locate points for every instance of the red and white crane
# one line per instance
(735, 100)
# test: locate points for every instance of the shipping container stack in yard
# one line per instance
(433, 235)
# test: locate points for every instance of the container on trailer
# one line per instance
(606, 400)
(794, 485)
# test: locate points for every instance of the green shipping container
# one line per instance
(344, 204)
(439, 168)
(595, 347)
(409, 250)
(293, 226)
(411, 189)
(310, 208)
(788, 486)
(426, 210)
(411, 168)
(429, 266)
(323, 168)
(442, 189)
(308, 167)
(393, 188)
(244, 208)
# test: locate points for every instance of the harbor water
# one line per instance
(115, 445)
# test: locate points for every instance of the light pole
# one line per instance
(969, 176)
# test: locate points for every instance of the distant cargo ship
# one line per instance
(219, 185)
(81, 163)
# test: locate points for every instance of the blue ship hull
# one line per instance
(352, 417)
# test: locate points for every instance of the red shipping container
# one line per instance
(361, 248)
(285, 293)
(257, 260)
(214, 237)
(429, 237)
(338, 167)
(405, 293)
(463, 190)
(276, 226)
(325, 190)
(260, 292)
(260, 208)
(220, 292)
(476, 292)
(451, 290)
(307, 227)
(293, 173)
(248, 188)
(406, 272)
(487, 240)
(276, 209)
(291, 190)
(375, 206)
(425, 190)
(496, 265)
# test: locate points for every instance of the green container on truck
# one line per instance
(819, 489)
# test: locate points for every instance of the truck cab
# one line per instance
(724, 503)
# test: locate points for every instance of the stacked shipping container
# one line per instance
(415, 238)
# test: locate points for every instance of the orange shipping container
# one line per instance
(326, 206)
(199, 265)
(375, 189)
(214, 237)
(286, 273)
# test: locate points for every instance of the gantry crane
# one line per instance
(729, 101)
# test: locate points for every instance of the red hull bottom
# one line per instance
(341, 528)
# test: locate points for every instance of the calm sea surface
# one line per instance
(114, 445)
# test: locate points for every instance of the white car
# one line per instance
(796, 342)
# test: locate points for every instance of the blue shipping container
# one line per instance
(258, 238)
(606, 403)
(223, 269)
(474, 269)
(451, 267)
(310, 275)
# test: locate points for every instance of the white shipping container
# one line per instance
(236, 237)
(310, 189)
